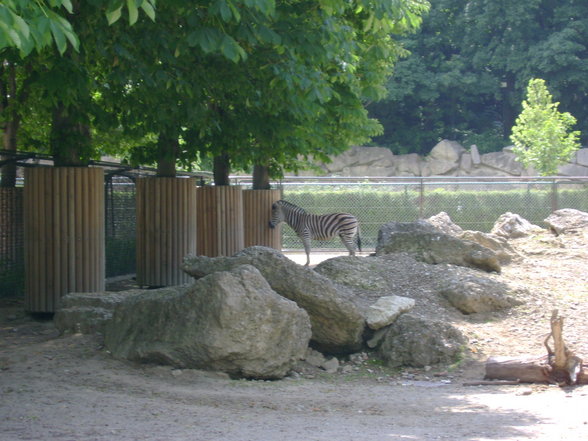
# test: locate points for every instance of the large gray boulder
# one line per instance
(500, 245)
(338, 323)
(89, 313)
(567, 220)
(428, 244)
(419, 342)
(358, 273)
(470, 293)
(230, 321)
(447, 150)
(504, 251)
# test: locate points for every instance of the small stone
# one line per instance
(331, 366)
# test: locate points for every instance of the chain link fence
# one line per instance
(120, 224)
(473, 204)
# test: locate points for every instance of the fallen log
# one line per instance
(560, 365)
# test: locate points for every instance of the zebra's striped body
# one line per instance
(314, 226)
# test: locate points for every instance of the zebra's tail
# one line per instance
(358, 238)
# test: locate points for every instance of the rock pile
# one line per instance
(256, 313)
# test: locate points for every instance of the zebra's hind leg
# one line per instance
(349, 244)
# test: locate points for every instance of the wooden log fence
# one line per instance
(220, 220)
(257, 208)
(166, 229)
(64, 234)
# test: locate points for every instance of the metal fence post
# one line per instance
(422, 199)
(554, 196)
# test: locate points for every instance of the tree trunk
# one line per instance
(261, 179)
(168, 148)
(10, 95)
(8, 171)
(221, 169)
(70, 140)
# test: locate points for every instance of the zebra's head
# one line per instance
(277, 215)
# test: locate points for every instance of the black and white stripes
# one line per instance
(314, 226)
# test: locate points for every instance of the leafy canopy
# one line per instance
(29, 25)
(542, 134)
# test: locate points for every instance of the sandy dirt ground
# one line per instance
(62, 388)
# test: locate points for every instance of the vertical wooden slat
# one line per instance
(166, 230)
(64, 234)
(257, 208)
(140, 228)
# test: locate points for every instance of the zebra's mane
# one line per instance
(291, 206)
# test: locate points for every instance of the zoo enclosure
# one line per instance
(472, 203)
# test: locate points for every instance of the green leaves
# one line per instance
(29, 25)
(114, 12)
(542, 134)
(34, 25)
(213, 40)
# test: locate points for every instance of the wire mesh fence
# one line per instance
(11, 242)
(473, 204)
(120, 224)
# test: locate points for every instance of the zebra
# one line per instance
(314, 226)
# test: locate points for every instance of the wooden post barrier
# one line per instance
(166, 229)
(220, 220)
(257, 210)
(64, 234)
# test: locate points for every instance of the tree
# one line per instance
(469, 66)
(41, 55)
(542, 134)
(304, 92)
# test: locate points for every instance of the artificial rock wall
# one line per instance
(447, 158)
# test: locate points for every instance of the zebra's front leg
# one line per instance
(306, 242)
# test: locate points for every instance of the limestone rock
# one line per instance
(476, 159)
(447, 158)
(512, 226)
(408, 165)
(581, 157)
(466, 164)
(434, 247)
(567, 220)
(337, 321)
(446, 150)
(415, 341)
(504, 251)
(364, 274)
(502, 161)
(361, 157)
(229, 321)
(572, 170)
(316, 359)
(438, 167)
(471, 294)
(88, 313)
(443, 222)
(386, 310)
